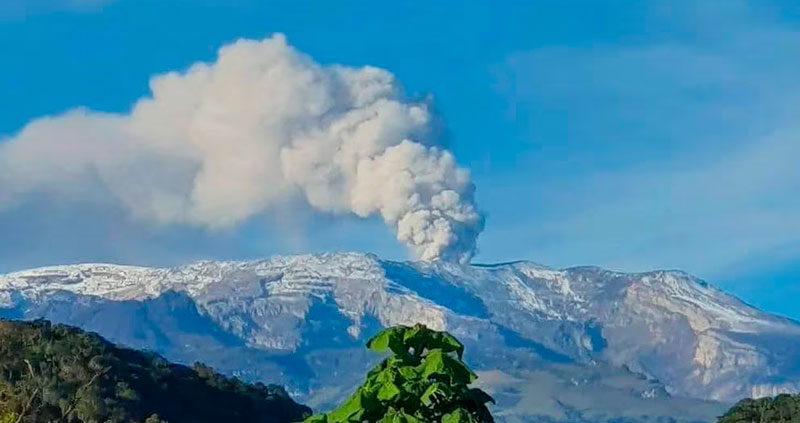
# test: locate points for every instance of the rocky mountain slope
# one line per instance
(550, 342)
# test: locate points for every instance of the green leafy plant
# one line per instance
(423, 380)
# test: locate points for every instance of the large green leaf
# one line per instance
(459, 415)
(388, 374)
(393, 364)
(388, 391)
(421, 338)
(436, 392)
(408, 372)
(400, 339)
(317, 418)
(438, 364)
(350, 411)
(396, 416)
(446, 342)
(391, 339)
(378, 368)
(414, 388)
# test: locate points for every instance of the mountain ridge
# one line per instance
(286, 313)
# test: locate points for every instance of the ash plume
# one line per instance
(222, 142)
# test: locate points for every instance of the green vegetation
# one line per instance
(424, 380)
(781, 409)
(54, 373)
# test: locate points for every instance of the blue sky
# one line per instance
(631, 135)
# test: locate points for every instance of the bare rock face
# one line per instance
(582, 344)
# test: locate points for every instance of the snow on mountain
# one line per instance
(302, 321)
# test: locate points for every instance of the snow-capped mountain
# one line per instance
(578, 344)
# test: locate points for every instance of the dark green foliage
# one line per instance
(424, 380)
(55, 373)
(781, 409)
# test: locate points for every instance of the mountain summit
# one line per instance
(577, 344)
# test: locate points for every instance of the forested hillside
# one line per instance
(783, 408)
(56, 373)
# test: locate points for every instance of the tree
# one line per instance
(58, 374)
(783, 408)
(422, 381)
